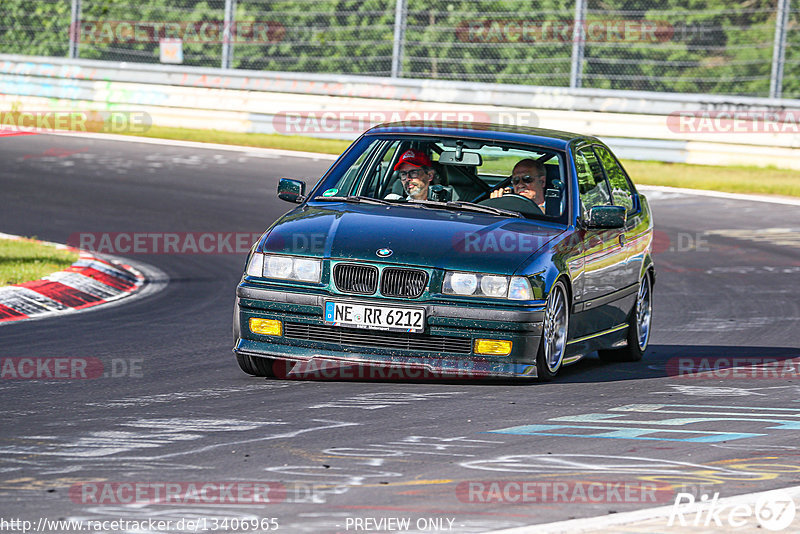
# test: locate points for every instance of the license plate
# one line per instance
(377, 317)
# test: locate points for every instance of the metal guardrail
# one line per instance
(635, 124)
(607, 101)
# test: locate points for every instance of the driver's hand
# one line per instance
(500, 192)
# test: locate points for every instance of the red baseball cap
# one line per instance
(415, 158)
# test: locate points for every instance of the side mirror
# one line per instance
(291, 190)
(607, 217)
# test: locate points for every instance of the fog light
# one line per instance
(494, 347)
(266, 327)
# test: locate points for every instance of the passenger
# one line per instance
(528, 180)
(417, 174)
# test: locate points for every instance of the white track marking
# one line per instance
(789, 201)
(269, 153)
(272, 152)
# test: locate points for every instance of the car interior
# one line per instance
(469, 169)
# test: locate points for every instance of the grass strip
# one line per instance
(749, 180)
(24, 260)
(284, 142)
(731, 179)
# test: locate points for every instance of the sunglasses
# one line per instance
(527, 179)
(409, 175)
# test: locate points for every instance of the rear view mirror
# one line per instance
(291, 190)
(471, 159)
(607, 217)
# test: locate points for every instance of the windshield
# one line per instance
(453, 173)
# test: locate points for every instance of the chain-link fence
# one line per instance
(739, 47)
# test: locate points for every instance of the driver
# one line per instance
(528, 180)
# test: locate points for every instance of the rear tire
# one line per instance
(638, 327)
(255, 366)
(555, 327)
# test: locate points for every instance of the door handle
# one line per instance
(622, 240)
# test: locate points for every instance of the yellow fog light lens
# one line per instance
(266, 327)
(494, 347)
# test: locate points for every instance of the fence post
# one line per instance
(399, 38)
(578, 42)
(779, 50)
(75, 29)
(228, 30)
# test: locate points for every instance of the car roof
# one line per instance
(501, 132)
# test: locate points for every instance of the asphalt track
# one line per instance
(343, 450)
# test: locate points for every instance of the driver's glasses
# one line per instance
(526, 178)
(409, 175)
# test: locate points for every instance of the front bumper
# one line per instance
(446, 348)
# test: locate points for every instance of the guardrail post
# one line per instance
(779, 50)
(74, 30)
(578, 42)
(399, 38)
(228, 30)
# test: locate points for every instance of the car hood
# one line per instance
(420, 236)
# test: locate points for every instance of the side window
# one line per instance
(381, 171)
(345, 185)
(621, 191)
(592, 185)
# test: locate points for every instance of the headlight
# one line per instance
(285, 267)
(494, 286)
(520, 289)
(307, 270)
(256, 265)
(278, 266)
(460, 283)
(487, 285)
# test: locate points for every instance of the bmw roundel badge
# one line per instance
(384, 252)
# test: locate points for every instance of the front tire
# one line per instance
(554, 333)
(638, 327)
(255, 366)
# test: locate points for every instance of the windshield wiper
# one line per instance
(356, 200)
(483, 209)
(467, 206)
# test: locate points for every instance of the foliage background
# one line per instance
(714, 46)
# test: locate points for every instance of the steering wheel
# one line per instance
(487, 194)
(514, 202)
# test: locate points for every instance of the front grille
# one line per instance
(352, 278)
(408, 283)
(378, 339)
